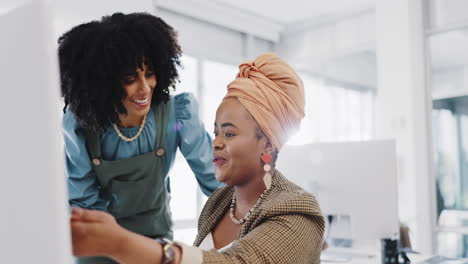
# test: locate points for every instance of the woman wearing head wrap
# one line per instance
(259, 217)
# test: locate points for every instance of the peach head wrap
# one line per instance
(272, 93)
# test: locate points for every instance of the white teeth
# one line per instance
(141, 101)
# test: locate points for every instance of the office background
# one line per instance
(373, 69)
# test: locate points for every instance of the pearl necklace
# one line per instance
(244, 219)
(137, 134)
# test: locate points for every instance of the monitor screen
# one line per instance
(358, 179)
(34, 224)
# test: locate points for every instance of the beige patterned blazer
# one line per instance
(287, 227)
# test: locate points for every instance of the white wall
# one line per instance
(342, 49)
(69, 13)
(201, 39)
(447, 13)
(225, 15)
(403, 107)
(450, 82)
(212, 37)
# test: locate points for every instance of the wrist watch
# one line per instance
(168, 251)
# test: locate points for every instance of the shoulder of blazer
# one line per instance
(216, 205)
(286, 197)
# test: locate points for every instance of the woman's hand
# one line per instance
(95, 233)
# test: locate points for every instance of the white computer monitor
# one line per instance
(358, 179)
(34, 225)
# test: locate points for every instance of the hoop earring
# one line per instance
(267, 178)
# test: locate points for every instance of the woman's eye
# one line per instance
(149, 73)
(228, 135)
(129, 79)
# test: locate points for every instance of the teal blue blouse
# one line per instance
(185, 132)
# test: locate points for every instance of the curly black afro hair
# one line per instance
(95, 56)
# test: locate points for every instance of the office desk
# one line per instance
(363, 255)
(354, 256)
(414, 260)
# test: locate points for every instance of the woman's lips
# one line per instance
(141, 103)
(218, 161)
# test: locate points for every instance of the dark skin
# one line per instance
(235, 132)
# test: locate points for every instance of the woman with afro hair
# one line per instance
(122, 128)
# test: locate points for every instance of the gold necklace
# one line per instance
(137, 134)
(233, 208)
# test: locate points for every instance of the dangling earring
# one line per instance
(267, 178)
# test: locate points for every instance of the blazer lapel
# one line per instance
(214, 210)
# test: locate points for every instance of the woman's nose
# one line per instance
(217, 145)
(144, 85)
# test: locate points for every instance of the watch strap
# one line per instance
(168, 250)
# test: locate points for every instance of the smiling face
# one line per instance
(236, 148)
(138, 86)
